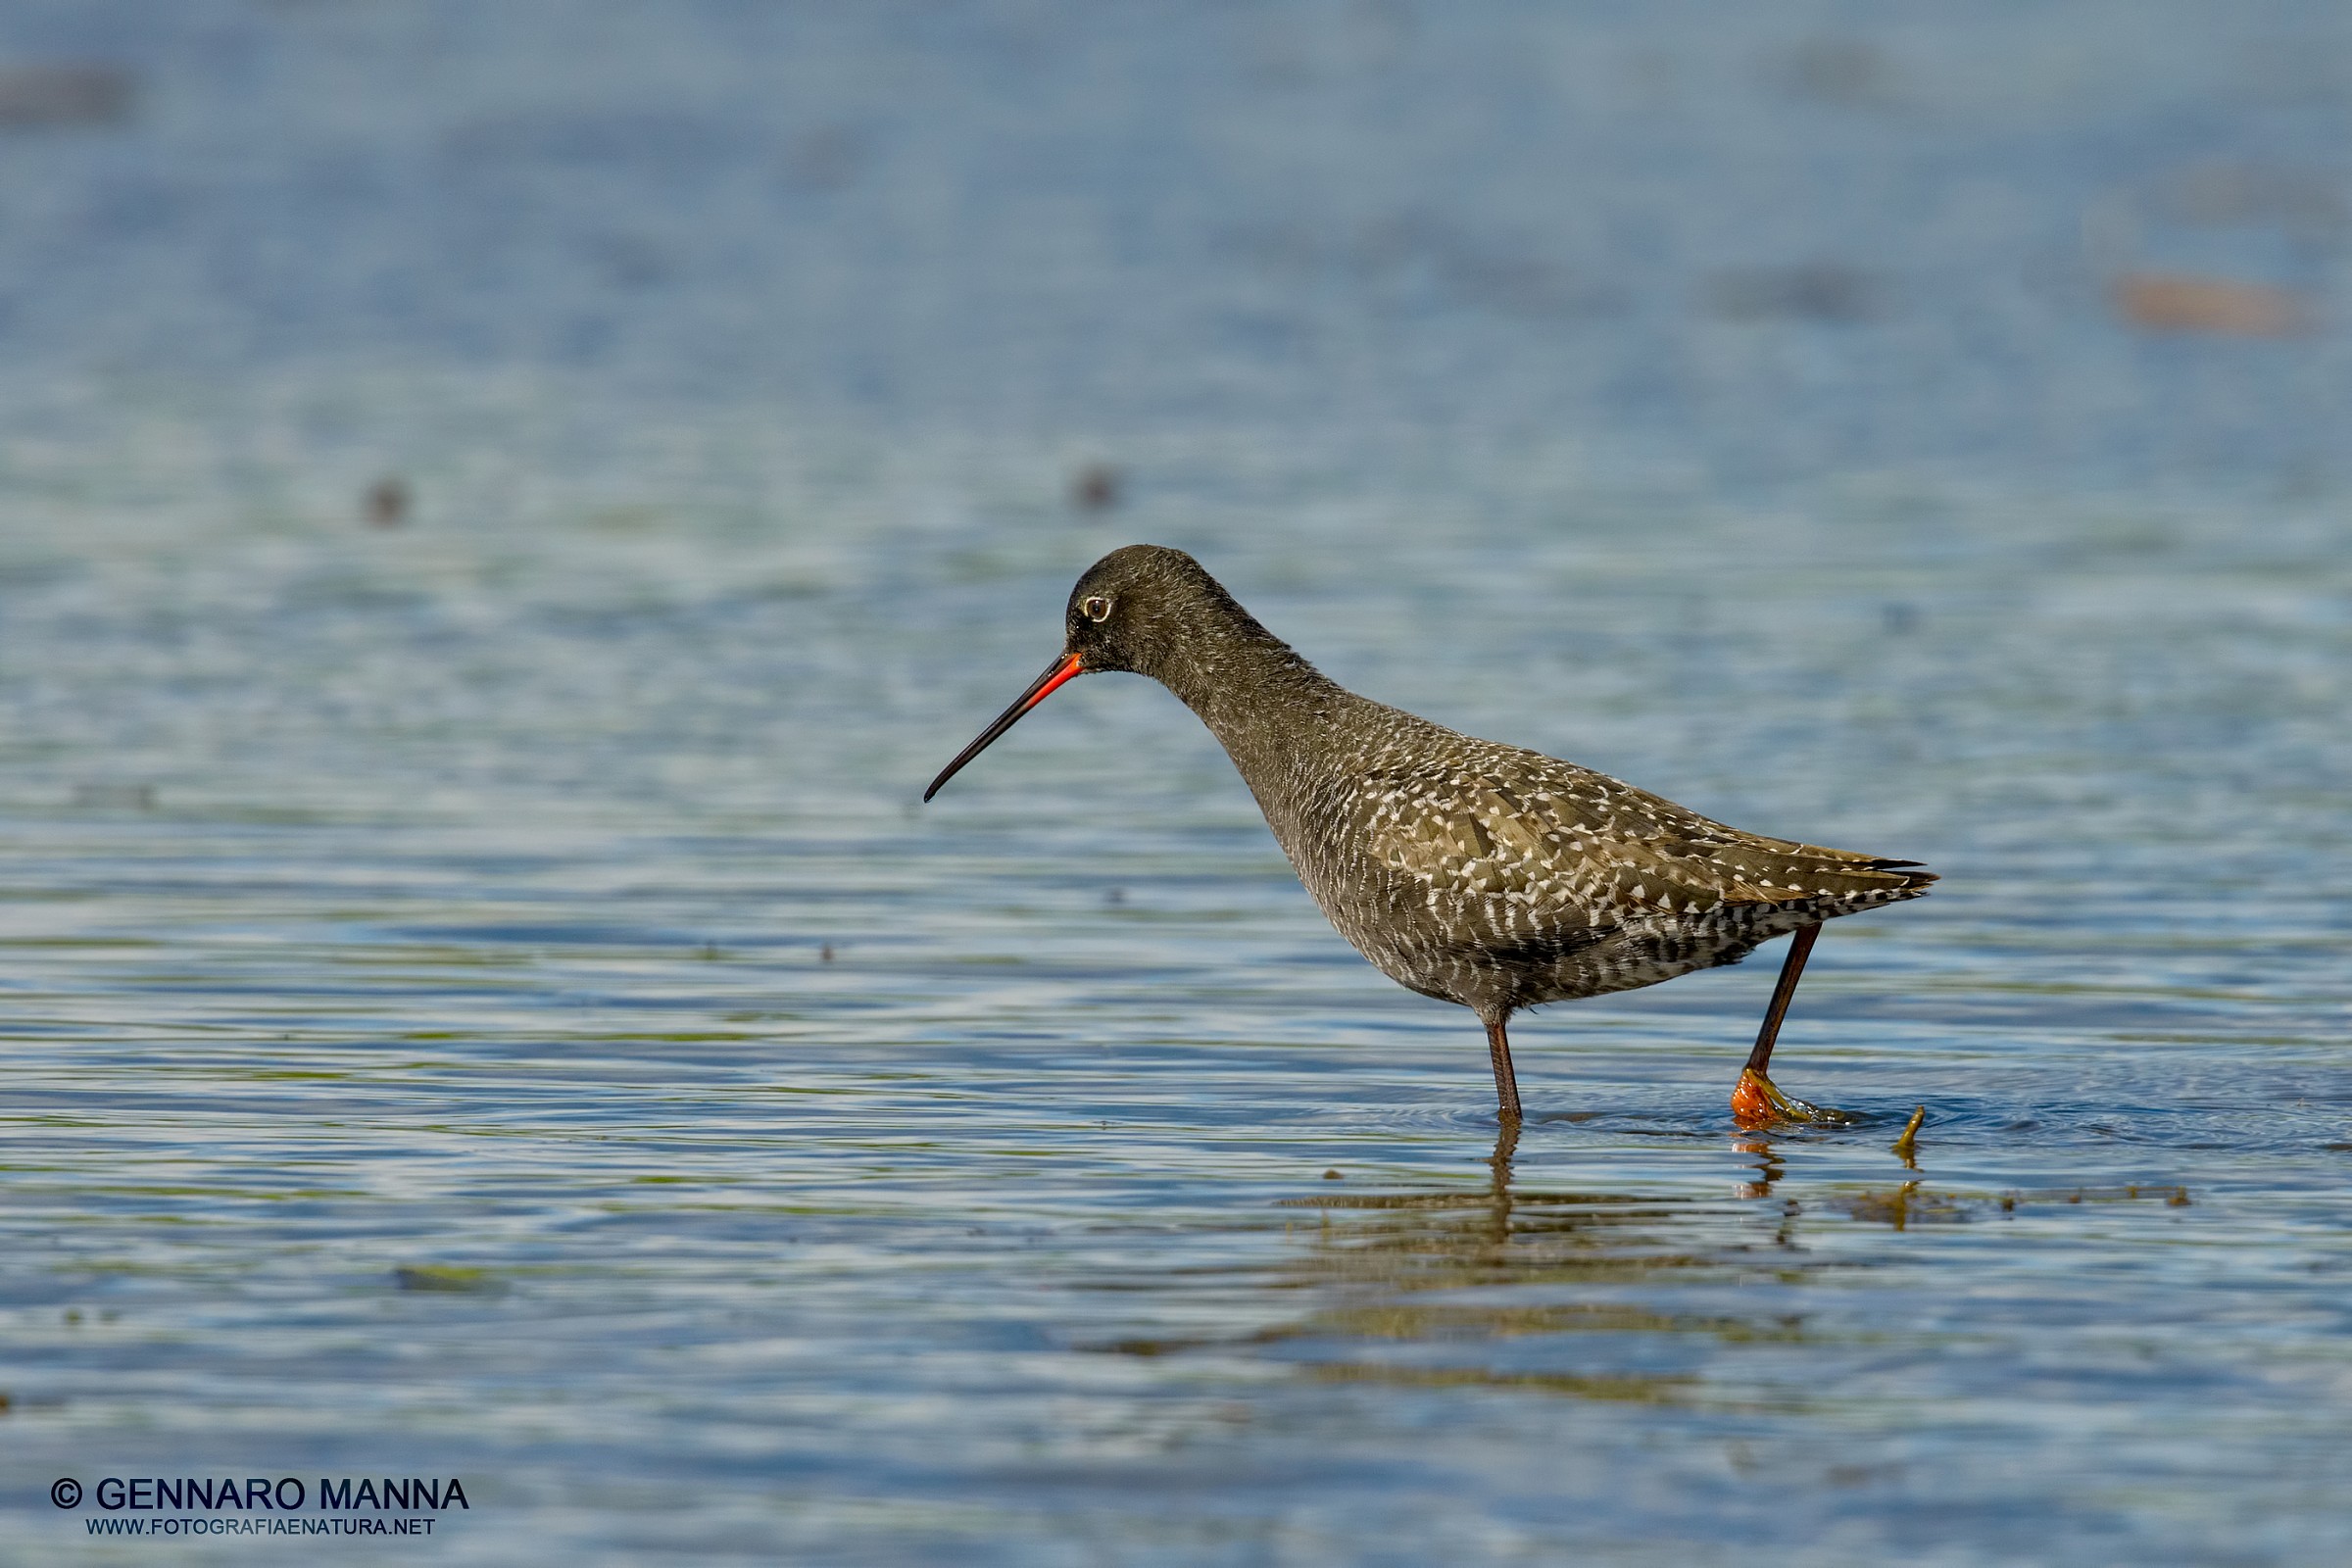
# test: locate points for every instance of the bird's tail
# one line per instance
(1781, 872)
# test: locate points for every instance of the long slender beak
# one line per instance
(1066, 667)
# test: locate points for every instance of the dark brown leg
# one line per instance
(1757, 1101)
(1506, 1082)
(1792, 969)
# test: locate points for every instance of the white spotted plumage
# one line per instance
(1485, 874)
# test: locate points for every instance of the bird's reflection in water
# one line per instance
(1648, 1299)
(1507, 1234)
(1507, 1286)
(1770, 1167)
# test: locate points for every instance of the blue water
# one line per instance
(477, 995)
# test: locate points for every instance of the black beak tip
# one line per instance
(1060, 671)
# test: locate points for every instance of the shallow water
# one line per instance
(480, 998)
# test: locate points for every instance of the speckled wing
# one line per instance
(1559, 847)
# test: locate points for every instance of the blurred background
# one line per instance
(2087, 243)
(504, 506)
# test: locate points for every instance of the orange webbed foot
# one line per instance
(1757, 1101)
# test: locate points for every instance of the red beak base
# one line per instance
(1064, 668)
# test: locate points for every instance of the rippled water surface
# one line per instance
(478, 996)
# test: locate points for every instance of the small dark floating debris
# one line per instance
(387, 503)
(1813, 291)
(1849, 73)
(824, 953)
(443, 1277)
(824, 158)
(1095, 487)
(1333, 1176)
(63, 94)
(121, 797)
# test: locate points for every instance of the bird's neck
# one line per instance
(1256, 694)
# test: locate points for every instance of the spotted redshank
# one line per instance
(1479, 873)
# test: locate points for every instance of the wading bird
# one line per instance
(1484, 874)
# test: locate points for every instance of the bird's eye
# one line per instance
(1097, 609)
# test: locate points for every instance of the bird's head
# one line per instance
(1138, 609)
(1141, 607)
